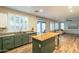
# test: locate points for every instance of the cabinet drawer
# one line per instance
(8, 43)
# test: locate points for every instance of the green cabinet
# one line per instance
(17, 40)
(21, 39)
(0, 44)
(46, 46)
(8, 43)
(25, 38)
(35, 45)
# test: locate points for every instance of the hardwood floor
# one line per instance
(23, 49)
(68, 44)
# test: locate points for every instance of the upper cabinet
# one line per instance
(3, 20)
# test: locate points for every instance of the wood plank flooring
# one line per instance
(68, 44)
(23, 49)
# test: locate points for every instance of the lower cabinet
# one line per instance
(25, 39)
(21, 39)
(17, 41)
(0, 44)
(8, 43)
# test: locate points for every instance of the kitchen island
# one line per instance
(44, 43)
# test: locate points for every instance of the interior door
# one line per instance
(62, 26)
(41, 26)
(56, 26)
(38, 27)
(52, 26)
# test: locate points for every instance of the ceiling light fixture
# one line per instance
(71, 10)
(41, 10)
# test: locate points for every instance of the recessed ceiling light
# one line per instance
(41, 10)
(70, 7)
(71, 11)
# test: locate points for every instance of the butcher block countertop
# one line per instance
(45, 36)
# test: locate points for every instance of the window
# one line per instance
(56, 26)
(62, 26)
(3, 20)
(17, 23)
(52, 26)
(21, 23)
(11, 23)
(24, 23)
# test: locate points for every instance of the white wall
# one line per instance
(74, 31)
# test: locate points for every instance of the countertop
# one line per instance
(14, 33)
(45, 36)
(7, 35)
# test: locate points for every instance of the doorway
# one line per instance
(41, 27)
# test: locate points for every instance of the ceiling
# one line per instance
(60, 13)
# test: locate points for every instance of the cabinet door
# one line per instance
(0, 44)
(48, 46)
(8, 43)
(36, 46)
(25, 38)
(18, 41)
